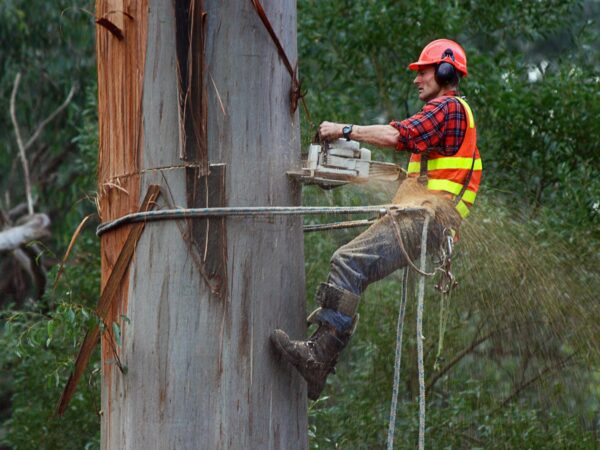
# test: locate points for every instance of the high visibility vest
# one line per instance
(459, 174)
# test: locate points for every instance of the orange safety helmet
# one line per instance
(442, 51)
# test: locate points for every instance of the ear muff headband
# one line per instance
(445, 73)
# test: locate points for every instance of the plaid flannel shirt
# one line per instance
(442, 123)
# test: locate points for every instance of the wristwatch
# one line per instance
(347, 131)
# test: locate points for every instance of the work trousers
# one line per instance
(376, 253)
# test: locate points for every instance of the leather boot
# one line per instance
(316, 357)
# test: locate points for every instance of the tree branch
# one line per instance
(22, 149)
(460, 355)
(559, 365)
(35, 227)
(48, 119)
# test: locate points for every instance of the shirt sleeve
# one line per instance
(441, 124)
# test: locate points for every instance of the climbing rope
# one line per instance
(443, 323)
(397, 361)
(421, 338)
(185, 213)
(403, 249)
(445, 285)
(338, 225)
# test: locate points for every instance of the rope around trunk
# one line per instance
(248, 211)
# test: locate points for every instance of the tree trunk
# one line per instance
(201, 299)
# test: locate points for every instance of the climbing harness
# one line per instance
(401, 243)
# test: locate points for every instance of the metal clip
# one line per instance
(447, 279)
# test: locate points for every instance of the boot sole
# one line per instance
(314, 388)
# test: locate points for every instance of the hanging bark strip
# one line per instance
(204, 183)
(296, 91)
(208, 238)
(107, 300)
(190, 32)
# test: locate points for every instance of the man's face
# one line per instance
(426, 84)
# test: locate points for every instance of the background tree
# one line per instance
(51, 45)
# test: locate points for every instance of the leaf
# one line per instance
(51, 327)
(117, 333)
(71, 315)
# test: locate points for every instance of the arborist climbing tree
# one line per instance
(444, 174)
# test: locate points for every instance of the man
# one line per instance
(443, 177)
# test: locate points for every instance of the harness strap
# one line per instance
(459, 197)
(423, 169)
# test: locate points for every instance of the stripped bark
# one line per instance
(106, 303)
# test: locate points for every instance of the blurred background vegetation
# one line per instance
(520, 365)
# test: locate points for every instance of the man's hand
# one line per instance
(329, 131)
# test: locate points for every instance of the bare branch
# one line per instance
(48, 119)
(17, 211)
(541, 373)
(460, 355)
(35, 227)
(22, 149)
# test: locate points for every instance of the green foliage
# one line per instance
(41, 341)
(51, 45)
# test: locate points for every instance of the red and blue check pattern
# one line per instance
(440, 125)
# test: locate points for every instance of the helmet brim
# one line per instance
(418, 65)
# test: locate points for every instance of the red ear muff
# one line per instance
(445, 72)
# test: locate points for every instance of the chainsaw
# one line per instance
(339, 162)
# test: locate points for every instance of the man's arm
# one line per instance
(380, 135)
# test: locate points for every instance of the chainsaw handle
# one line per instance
(317, 138)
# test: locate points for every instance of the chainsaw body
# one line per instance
(339, 162)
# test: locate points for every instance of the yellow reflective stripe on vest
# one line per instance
(462, 209)
(452, 187)
(468, 109)
(449, 162)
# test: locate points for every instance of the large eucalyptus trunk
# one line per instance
(193, 97)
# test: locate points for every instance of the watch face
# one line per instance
(346, 131)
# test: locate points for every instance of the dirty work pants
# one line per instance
(376, 253)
